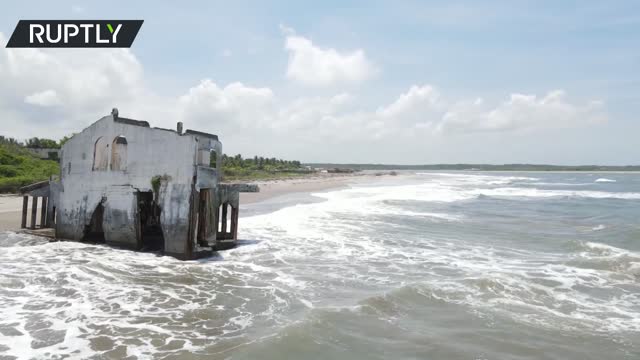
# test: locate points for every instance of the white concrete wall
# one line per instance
(150, 152)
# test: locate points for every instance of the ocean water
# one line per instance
(461, 265)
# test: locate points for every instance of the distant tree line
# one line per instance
(256, 163)
(257, 167)
(35, 142)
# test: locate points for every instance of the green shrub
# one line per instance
(8, 171)
(19, 167)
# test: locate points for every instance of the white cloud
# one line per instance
(521, 113)
(43, 98)
(83, 78)
(226, 53)
(66, 85)
(233, 106)
(72, 89)
(315, 66)
(419, 107)
(416, 99)
(307, 115)
(422, 111)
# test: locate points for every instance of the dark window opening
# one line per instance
(52, 156)
(213, 159)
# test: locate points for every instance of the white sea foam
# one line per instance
(84, 293)
(454, 178)
(563, 184)
(605, 180)
(543, 286)
(309, 256)
(542, 193)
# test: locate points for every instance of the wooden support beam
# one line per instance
(25, 206)
(43, 212)
(224, 218)
(34, 212)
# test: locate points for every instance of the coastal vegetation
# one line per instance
(258, 168)
(20, 167)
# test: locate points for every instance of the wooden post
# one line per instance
(25, 206)
(234, 221)
(34, 212)
(224, 218)
(43, 212)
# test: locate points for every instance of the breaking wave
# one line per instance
(545, 289)
(80, 300)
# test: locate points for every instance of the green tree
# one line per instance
(36, 143)
(65, 139)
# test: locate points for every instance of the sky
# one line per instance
(402, 82)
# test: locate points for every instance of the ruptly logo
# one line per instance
(74, 33)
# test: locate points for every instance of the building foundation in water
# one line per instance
(129, 185)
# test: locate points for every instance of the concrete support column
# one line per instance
(50, 214)
(25, 206)
(224, 218)
(234, 221)
(34, 212)
(43, 212)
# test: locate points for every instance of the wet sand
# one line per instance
(10, 210)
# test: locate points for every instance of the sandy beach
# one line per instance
(11, 204)
(316, 182)
(10, 209)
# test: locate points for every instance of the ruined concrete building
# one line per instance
(143, 188)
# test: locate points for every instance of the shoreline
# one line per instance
(11, 204)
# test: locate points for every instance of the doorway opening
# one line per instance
(94, 232)
(150, 237)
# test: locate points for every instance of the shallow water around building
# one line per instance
(460, 265)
